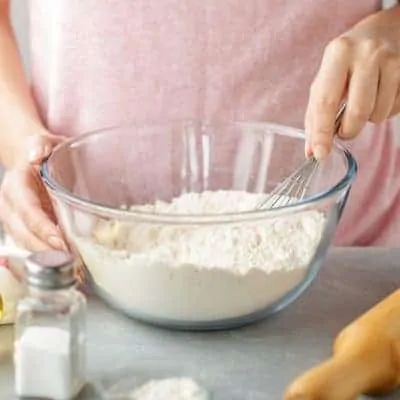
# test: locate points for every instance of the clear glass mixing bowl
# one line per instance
(93, 178)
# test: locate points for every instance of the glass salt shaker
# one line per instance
(49, 354)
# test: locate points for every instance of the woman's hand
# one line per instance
(25, 207)
(363, 66)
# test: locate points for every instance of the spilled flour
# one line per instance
(201, 272)
(170, 389)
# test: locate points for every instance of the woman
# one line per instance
(97, 62)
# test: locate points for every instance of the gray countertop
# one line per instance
(253, 363)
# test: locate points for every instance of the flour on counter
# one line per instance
(170, 389)
(201, 273)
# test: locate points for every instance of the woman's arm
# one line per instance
(18, 115)
(25, 207)
(362, 65)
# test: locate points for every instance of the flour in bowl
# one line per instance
(201, 272)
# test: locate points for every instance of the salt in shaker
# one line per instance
(49, 354)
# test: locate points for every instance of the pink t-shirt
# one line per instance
(97, 63)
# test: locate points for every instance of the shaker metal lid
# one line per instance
(50, 270)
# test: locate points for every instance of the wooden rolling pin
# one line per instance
(365, 360)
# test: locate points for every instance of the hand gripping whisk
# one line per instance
(293, 188)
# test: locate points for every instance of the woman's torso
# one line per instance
(97, 63)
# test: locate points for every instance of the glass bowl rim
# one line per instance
(106, 211)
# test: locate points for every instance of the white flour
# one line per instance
(170, 389)
(201, 273)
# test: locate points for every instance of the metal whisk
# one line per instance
(293, 188)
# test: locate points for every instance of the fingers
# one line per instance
(307, 148)
(21, 210)
(16, 228)
(389, 81)
(37, 221)
(361, 97)
(325, 97)
(365, 71)
(25, 206)
(396, 107)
